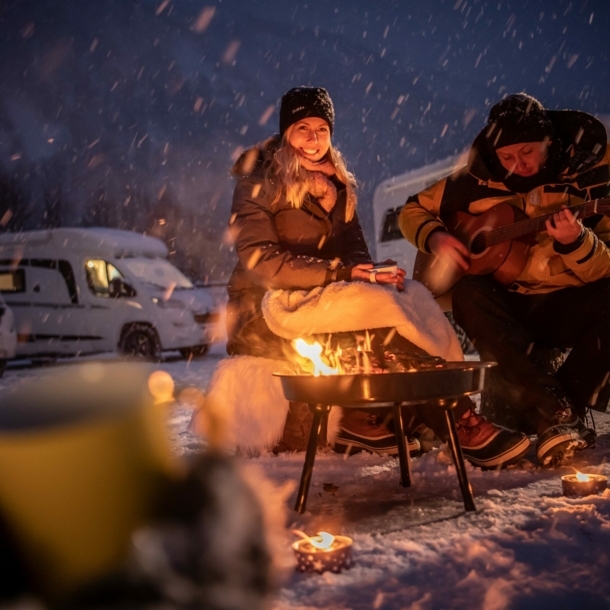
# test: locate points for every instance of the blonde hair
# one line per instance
(286, 176)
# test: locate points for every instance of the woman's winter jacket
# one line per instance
(583, 173)
(281, 247)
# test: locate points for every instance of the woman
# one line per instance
(295, 226)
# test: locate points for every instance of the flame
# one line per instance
(322, 541)
(313, 352)
(581, 476)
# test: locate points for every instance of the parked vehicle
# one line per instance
(8, 336)
(388, 200)
(81, 291)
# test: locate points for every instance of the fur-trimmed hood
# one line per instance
(253, 161)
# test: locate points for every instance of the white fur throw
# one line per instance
(248, 400)
(355, 306)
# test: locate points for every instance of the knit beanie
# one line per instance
(518, 118)
(304, 102)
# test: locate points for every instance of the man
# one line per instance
(541, 162)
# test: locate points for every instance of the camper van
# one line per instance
(80, 291)
(8, 336)
(388, 200)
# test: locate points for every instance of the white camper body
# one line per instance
(389, 198)
(80, 291)
(8, 336)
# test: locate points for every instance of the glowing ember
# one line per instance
(322, 541)
(313, 352)
(580, 476)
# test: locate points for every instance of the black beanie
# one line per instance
(304, 102)
(518, 118)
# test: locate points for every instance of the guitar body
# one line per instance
(504, 260)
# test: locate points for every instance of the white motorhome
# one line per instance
(8, 336)
(388, 200)
(80, 291)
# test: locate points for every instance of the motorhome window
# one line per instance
(65, 268)
(157, 272)
(99, 275)
(12, 281)
(390, 230)
(45, 263)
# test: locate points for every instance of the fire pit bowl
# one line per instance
(439, 387)
(446, 381)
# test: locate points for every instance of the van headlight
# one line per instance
(169, 304)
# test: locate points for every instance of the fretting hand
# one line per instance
(564, 227)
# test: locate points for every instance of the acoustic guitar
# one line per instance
(499, 241)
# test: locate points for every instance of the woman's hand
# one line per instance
(449, 249)
(564, 227)
(364, 273)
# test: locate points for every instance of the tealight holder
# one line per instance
(334, 558)
(580, 484)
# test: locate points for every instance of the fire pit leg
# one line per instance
(404, 459)
(320, 412)
(458, 460)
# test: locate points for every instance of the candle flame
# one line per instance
(313, 352)
(322, 541)
(581, 476)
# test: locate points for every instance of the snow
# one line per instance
(526, 547)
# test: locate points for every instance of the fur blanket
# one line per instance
(355, 306)
(248, 400)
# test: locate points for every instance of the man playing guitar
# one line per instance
(522, 234)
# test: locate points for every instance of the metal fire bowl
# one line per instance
(449, 380)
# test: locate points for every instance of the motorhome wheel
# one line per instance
(140, 341)
(195, 352)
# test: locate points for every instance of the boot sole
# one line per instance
(561, 451)
(352, 446)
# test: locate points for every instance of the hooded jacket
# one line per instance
(583, 173)
(281, 247)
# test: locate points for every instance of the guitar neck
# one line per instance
(537, 224)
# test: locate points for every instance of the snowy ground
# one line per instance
(526, 547)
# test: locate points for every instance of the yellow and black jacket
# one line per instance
(583, 174)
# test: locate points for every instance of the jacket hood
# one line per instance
(580, 143)
(254, 160)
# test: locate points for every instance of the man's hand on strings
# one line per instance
(449, 249)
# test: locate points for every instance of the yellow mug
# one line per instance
(83, 452)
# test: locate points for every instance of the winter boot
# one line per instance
(489, 446)
(360, 429)
(561, 437)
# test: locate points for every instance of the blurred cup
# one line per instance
(83, 454)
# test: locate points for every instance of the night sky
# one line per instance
(130, 113)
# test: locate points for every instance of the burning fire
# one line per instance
(322, 541)
(313, 352)
(581, 476)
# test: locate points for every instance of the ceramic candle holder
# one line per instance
(333, 559)
(580, 485)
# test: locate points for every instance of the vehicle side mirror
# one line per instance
(118, 288)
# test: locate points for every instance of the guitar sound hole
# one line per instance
(477, 246)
